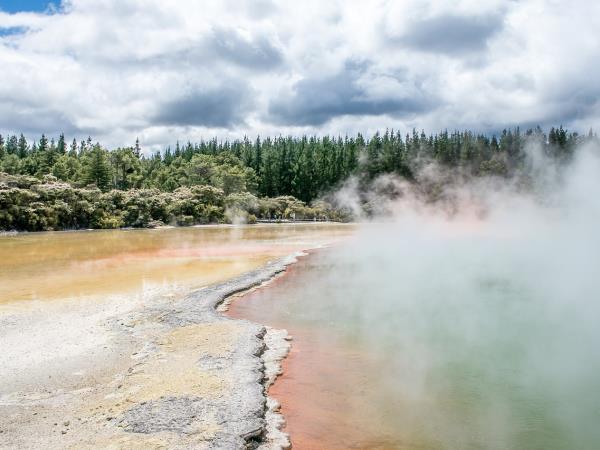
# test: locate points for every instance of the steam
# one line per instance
(483, 297)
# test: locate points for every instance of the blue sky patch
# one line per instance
(11, 30)
(13, 6)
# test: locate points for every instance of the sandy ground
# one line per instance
(164, 371)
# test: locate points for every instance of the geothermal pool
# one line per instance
(425, 337)
(66, 265)
(86, 339)
(420, 334)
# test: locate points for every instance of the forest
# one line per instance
(54, 185)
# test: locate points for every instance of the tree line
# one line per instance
(52, 184)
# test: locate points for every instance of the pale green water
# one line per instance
(440, 341)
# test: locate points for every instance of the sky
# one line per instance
(13, 6)
(168, 70)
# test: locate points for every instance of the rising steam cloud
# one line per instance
(483, 298)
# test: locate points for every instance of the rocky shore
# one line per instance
(174, 373)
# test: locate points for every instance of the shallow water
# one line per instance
(43, 266)
(446, 349)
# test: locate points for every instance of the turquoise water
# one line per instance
(468, 340)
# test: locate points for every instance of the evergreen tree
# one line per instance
(12, 145)
(304, 167)
(268, 184)
(168, 158)
(98, 170)
(137, 149)
(61, 147)
(73, 148)
(257, 160)
(22, 146)
(43, 144)
(373, 160)
(247, 153)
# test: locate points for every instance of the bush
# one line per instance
(28, 204)
(183, 220)
(155, 224)
(110, 222)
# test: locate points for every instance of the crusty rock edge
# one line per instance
(251, 419)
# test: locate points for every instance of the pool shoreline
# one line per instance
(94, 355)
(181, 373)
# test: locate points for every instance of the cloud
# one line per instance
(232, 67)
(8, 31)
(33, 118)
(254, 53)
(315, 101)
(224, 107)
(29, 5)
(22, 21)
(452, 34)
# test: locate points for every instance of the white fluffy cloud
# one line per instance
(183, 69)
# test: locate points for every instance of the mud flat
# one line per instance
(172, 372)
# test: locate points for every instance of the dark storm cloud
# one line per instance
(452, 34)
(223, 108)
(315, 101)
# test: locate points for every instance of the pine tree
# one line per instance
(12, 146)
(168, 158)
(257, 156)
(51, 156)
(98, 170)
(137, 150)
(73, 149)
(22, 147)
(374, 152)
(43, 145)
(247, 157)
(61, 147)
(268, 181)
